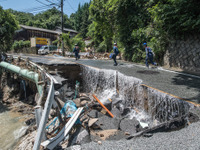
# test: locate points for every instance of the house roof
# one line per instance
(67, 30)
(39, 29)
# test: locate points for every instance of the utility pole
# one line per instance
(62, 22)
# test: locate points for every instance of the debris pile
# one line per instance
(82, 118)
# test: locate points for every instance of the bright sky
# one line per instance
(35, 6)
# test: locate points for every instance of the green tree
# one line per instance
(80, 19)
(7, 29)
(49, 19)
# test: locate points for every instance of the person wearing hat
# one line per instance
(76, 51)
(116, 52)
(149, 55)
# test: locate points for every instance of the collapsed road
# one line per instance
(105, 109)
(179, 84)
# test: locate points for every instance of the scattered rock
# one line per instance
(129, 125)
(95, 114)
(116, 113)
(82, 138)
(74, 147)
(92, 121)
(106, 123)
(85, 98)
(126, 111)
(103, 111)
(69, 94)
(30, 121)
(77, 101)
(193, 117)
(147, 134)
(127, 133)
(84, 102)
(99, 142)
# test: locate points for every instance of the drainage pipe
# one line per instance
(32, 76)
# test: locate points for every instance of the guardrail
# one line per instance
(47, 106)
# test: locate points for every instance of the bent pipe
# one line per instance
(29, 75)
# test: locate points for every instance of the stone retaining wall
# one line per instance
(184, 54)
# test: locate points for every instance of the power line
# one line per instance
(71, 6)
(41, 2)
(41, 10)
(36, 8)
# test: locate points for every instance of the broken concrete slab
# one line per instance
(126, 111)
(82, 138)
(129, 125)
(95, 114)
(106, 123)
(74, 147)
(116, 113)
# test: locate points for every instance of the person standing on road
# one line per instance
(116, 52)
(149, 55)
(76, 51)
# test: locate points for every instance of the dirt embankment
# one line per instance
(18, 96)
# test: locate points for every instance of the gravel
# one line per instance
(186, 138)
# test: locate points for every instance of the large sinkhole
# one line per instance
(137, 109)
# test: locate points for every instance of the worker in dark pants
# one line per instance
(76, 51)
(149, 55)
(116, 52)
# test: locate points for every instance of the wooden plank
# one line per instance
(51, 143)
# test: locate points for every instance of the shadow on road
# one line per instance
(150, 72)
(189, 82)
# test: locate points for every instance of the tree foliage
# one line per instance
(8, 25)
(80, 19)
(20, 44)
(133, 22)
(49, 19)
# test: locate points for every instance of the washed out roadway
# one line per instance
(178, 84)
(174, 83)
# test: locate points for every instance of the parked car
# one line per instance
(47, 49)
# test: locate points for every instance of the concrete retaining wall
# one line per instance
(184, 54)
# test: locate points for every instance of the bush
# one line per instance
(102, 47)
(78, 40)
(17, 45)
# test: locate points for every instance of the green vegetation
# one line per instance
(78, 40)
(8, 25)
(80, 20)
(130, 23)
(17, 45)
(49, 19)
(69, 43)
